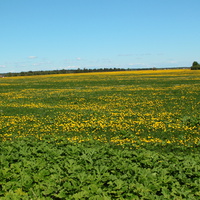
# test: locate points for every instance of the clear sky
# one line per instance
(71, 34)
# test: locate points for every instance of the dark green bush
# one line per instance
(195, 65)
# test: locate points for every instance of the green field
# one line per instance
(116, 135)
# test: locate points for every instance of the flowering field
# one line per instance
(134, 111)
(137, 108)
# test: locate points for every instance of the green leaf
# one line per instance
(80, 195)
(61, 194)
(119, 183)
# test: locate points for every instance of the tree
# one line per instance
(195, 63)
(195, 66)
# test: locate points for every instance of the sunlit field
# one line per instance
(135, 108)
(132, 111)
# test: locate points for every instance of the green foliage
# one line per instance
(195, 65)
(100, 136)
(191, 121)
(34, 169)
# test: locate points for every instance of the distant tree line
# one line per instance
(62, 71)
(84, 70)
(195, 66)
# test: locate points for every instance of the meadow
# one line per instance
(110, 135)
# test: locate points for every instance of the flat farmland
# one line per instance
(110, 135)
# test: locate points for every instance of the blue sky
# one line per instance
(71, 34)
